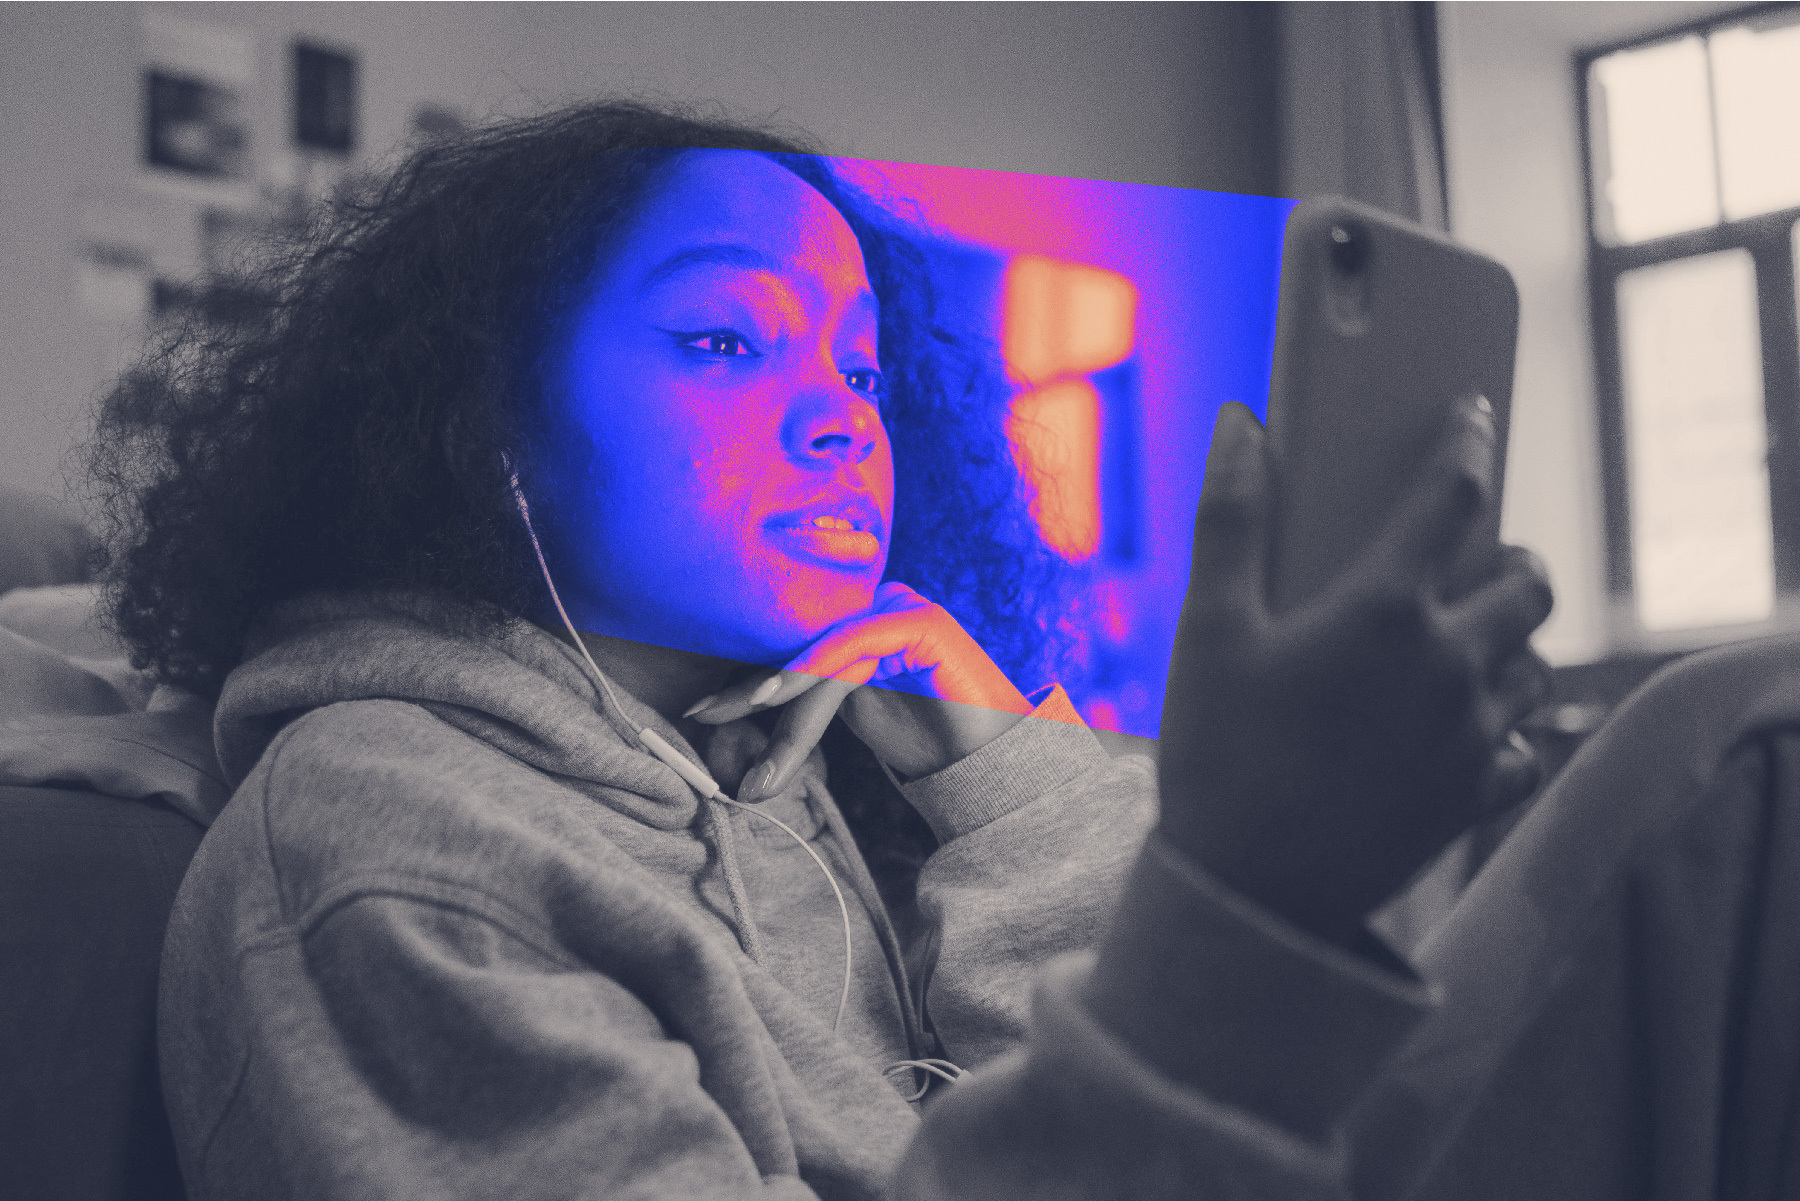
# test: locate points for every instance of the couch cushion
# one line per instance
(63, 617)
(41, 542)
(86, 884)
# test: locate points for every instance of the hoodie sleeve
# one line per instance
(1260, 1041)
(1036, 833)
(1261, 1037)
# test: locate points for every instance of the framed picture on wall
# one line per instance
(193, 126)
(324, 99)
(195, 80)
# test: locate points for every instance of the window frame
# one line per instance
(1769, 239)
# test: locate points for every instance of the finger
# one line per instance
(895, 635)
(1518, 687)
(1429, 527)
(1523, 681)
(803, 722)
(764, 691)
(894, 597)
(1497, 618)
(1521, 559)
(1231, 522)
(1515, 773)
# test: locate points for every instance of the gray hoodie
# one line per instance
(456, 935)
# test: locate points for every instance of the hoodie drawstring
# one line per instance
(748, 934)
(843, 906)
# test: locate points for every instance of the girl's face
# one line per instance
(724, 373)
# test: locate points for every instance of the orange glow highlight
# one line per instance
(1055, 435)
(1065, 318)
(1062, 321)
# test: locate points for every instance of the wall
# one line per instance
(1177, 94)
(1180, 95)
(1513, 157)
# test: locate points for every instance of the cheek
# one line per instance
(881, 483)
(720, 478)
(673, 460)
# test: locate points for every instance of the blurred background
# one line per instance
(1636, 166)
(1125, 315)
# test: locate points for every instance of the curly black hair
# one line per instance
(355, 422)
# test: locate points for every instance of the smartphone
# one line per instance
(1381, 326)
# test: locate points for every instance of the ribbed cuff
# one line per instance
(1053, 704)
(1045, 750)
(1230, 1000)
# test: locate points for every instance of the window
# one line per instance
(324, 99)
(1064, 324)
(1693, 142)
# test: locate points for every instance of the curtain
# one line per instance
(1359, 106)
(1359, 117)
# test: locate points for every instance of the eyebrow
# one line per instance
(867, 302)
(728, 254)
(734, 254)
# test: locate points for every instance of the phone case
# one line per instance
(1381, 325)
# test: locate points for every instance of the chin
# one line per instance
(770, 638)
(771, 621)
(787, 641)
(782, 638)
(819, 610)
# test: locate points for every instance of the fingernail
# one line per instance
(1479, 450)
(1481, 417)
(1231, 428)
(765, 690)
(704, 703)
(757, 783)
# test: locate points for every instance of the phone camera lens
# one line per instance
(1349, 249)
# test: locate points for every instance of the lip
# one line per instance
(858, 547)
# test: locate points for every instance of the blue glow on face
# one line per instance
(724, 373)
(721, 388)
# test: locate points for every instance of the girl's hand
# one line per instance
(1314, 760)
(943, 697)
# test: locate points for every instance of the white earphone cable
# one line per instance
(843, 908)
(686, 768)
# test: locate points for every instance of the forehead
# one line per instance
(740, 199)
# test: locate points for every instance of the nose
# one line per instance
(832, 432)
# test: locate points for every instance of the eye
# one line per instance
(867, 380)
(724, 343)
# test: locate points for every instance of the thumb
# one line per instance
(1231, 523)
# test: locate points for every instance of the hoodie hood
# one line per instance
(521, 690)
